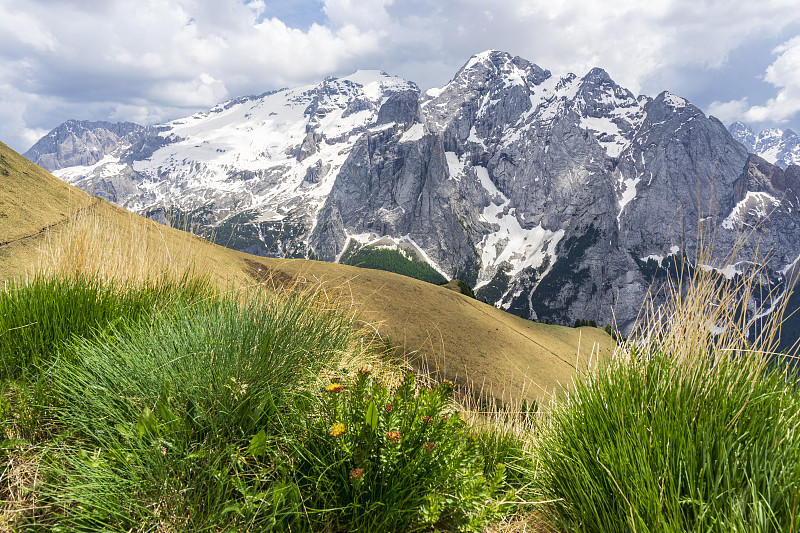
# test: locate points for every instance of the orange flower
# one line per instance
(429, 446)
(393, 436)
(356, 473)
(334, 387)
(337, 429)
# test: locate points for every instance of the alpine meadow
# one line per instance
(521, 300)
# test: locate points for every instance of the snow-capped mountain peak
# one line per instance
(779, 147)
(546, 193)
(275, 154)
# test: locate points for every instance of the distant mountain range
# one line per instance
(556, 198)
(779, 147)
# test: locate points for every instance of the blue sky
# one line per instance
(149, 61)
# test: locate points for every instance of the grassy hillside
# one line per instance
(31, 200)
(464, 339)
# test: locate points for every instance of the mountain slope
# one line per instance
(556, 198)
(31, 201)
(466, 338)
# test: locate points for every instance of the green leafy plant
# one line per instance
(394, 460)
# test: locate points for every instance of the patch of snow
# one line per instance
(674, 101)
(434, 92)
(607, 132)
(414, 133)
(790, 266)
(660, 258)
(754, 204)
(473, 137)
(478, 58)
(654, 257)
(382, 127)
(74, 174)
(511, 244)
(486, 183)
(628, 194)
(454, 165)
(729, 271)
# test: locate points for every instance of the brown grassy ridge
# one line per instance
(47, 225)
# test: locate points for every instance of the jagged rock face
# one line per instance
(779, 147)
(556, 198)
(767, 198)
(80, 142)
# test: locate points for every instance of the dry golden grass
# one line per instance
(705, 315)
(31, 200)
(455, 336)
(473, 343)
(18, 487)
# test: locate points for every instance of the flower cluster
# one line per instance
(334, 387)
(446, 386)
(369, 433)
(237, 388)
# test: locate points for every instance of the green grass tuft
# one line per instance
(38, 318)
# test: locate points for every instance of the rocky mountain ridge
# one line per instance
(556, 198)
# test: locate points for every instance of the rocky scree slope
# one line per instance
(556, 198)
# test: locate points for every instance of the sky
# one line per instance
(150, 61)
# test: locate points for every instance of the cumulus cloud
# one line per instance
(784, 75)
(154, 60)
(145, 58)
(730, 111)
(634, 41)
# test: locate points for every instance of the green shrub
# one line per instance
(38, 318)
(381, 460)
(459, 286)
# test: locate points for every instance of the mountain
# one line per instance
(779, 147)
(462, 338)
(556, 198)
(266, 162)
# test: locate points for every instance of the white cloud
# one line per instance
(130, 59)
(360, 13)
(784, 75)
(728, 112)
(634, 41)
